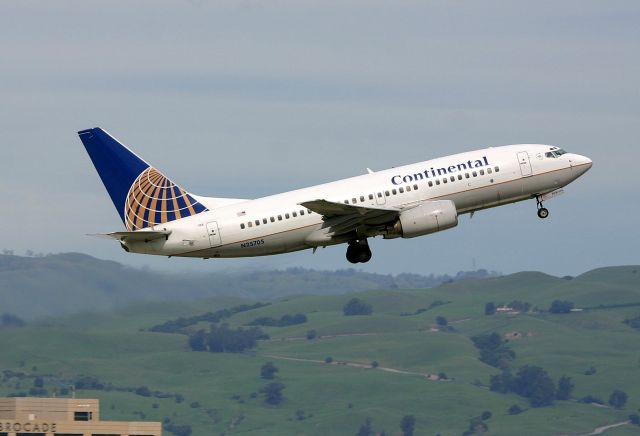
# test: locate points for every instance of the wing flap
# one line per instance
(340, 219)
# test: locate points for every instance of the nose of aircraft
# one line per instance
(580, 164)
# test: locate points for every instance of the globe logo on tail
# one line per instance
(154, 199)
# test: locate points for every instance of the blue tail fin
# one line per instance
(142, 195)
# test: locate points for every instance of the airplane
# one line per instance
(161, 218)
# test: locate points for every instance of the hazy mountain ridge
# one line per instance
(71, 282)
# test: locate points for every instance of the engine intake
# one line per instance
(428, 217)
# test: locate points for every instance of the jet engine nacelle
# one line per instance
(429, 217)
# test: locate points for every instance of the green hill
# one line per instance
(221, 391)
(32, 287)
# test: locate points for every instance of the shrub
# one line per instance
(407, 425)
(561, 306)
(273, 393)
(618, 399)
(514, 410)
(356, 306)
(489, 308)
(268, 371)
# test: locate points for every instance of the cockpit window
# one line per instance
(555, 152)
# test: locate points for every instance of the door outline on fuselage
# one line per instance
(525, 164)
(380, 198)
(214, 234)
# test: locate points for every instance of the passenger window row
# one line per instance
(387, 193)
(466, 176)
(275, 218)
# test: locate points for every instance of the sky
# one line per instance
(248, 98)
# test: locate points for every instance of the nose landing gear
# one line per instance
(542, 211)
(359, 251)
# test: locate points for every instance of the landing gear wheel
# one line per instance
(353, 254)
(364, 254)
(543, 213)
(358, 252)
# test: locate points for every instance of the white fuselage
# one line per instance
(278, 223)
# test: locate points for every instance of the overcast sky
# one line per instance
(249, 98)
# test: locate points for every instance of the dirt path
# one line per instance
(432, 377)
(601, 430)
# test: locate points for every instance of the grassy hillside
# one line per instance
(221, 391)
(32, 287)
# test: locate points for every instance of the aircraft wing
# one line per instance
(341, 218)
(140, 235)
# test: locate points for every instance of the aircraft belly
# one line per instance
(264, 245)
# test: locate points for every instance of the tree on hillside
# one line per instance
(535, 384)
(489, 308)
(493, 350)
(442, 321)
(273, 393)
(198, 341)
(268, 370)
(407, 425)
(561, 306)
(356, 306)
(501, 383)
(564, 388)
(514, 410)
(10, 320)
(365, 428)
(618, 399)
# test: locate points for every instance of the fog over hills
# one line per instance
(70, 282)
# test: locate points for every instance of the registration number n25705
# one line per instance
(252, 243)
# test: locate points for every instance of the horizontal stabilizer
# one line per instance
(140, 236)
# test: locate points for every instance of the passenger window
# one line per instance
(379, 194)
(250, 224)
(272, 219)
(475, 174)
(353, 200)
(370, 196)
(430, 183)
(452, 178)
(408, 188)
(401, 189)
(497, 169)
(437, 181)
(466, 175)
(346, 202)
(386, 193)
(301, 212)
(264, 220)
(242, 225)
(286, 215)
(257, 222)
(488, 170)
(361, 198)
(459, 176)
(279, 217)
(444, 180)
(482, 172)
(295, 214)
(415, 187)
(393, 191)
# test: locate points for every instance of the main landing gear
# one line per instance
(542, 211)
(359, 251)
